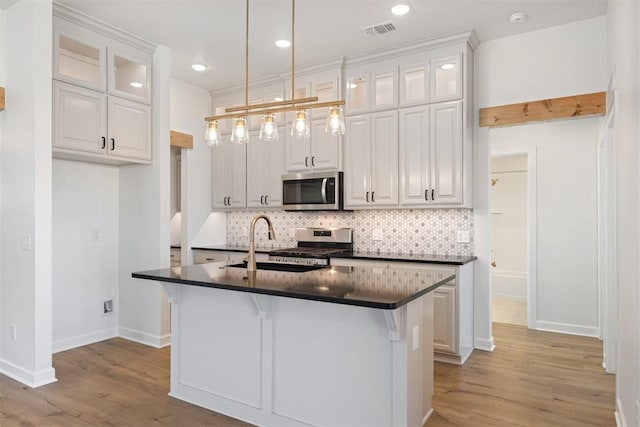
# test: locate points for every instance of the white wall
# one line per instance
(85, 252)
(509, 227)
(623, 23)
(559, 61)
(25, 187)
(189, 106)
(145, 224)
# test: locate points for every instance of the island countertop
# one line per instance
(383, 288)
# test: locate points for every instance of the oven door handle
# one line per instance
(323, 191)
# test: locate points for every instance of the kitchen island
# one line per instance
(332, 346)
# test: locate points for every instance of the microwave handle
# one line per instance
(323, 190)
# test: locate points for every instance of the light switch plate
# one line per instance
(416, 337)
(292, 233)
(26, 242)
(462, 236)
(377, 234)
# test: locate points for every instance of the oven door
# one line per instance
(312, 191)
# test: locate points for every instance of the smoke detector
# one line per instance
(378, 29)
(517, 17)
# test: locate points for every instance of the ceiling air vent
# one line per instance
(383, 28)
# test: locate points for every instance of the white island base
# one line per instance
(277, 361)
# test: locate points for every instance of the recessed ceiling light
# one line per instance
(448, 66)
(400, 9)
(517, 17)
(135, 84)
(199, 67)
(283, 43)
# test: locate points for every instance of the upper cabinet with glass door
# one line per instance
(431, 77)
(79, 56)
(371, 89)
(129, 75)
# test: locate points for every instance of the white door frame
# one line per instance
(532, 251)
(607, 251)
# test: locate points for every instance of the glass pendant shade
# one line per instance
(300, 127)
(213, 137)
(335, 121)
(240, 133)
(269, 128)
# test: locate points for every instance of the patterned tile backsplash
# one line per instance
(411, 231)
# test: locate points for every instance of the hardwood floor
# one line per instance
(531, 379)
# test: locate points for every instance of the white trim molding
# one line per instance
(85, 339)
(29, 378)
(157, 341)
(566, 328)
(621, 421)
(485, 345)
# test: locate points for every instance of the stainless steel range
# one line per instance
(315, 246)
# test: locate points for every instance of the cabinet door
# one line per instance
(384, 158)
(446, 78)
(384, 88)
(220, 175)
(358, 93)
(257, 171)
(129, 75)
(414, 156)
(446, 152)
(79, 55)
(325, 148)
(237, 175)
(129, 129)
(203, 257)
(414, 84)
(297, 152)
(358, 161)
(79, 118)
(444, 319)
(326, 90)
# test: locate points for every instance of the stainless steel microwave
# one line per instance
(312, 191)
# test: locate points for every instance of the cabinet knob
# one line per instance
(313, 161)
(373, 199)
(306, 161)
(266, 202)
(493, 264)
(432, 196)
(262, 200)
(113, 144)
(426, 195)
(367, 197)
(104, 143)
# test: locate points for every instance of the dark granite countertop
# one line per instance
(373, 256)
(382, 288)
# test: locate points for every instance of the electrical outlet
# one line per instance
(292, 233)
(107, 306)
(377, 234)
(463, 236)
(26, 242)
(245, 232)
(416, 337)
(14, 332)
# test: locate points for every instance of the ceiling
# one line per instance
(213, 31)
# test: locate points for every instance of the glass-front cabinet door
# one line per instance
(358, 94)
(79, 59)
(414, 84)
(129, 76)
(446, 78)
(385, 92)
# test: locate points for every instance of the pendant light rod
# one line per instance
(293, 49)
(271, 104)
(246, 59)
(248, 112)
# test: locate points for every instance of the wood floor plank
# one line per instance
(532, 379)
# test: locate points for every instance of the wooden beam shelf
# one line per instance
(181, 140)
(1, 98)
(547, 109)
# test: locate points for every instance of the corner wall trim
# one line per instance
(85, 339)
(157, 341)
(566, 328)
(26, 377)
(620, 419)
(567, 107)
(484, 344)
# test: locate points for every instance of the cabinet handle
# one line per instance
(266, 202)
(262, 200)
(426, 194)
(313, 161)
(373, 199)
(432, 196)
(367, 197)
(104, 143)
(226, 201)
(306, 161)
(113, 144)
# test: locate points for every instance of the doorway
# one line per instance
(513, 238)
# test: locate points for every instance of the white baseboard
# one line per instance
(426, 417)
(484, 344)
(621, 421)
(26, 377)
(85, 339)
(566, 328)
(157, 341)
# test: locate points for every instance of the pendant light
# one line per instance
(213, 137)
(300, 127)
(269, 128)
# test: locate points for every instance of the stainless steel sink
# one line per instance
(275, 266)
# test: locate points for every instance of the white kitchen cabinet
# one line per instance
(446, 77)
(372, 88)
(321, 152)
(101, 92)
(453, 323)
(415, 82)
(204, 256)
(444, 311)
(371, 162)
(175, 257)
(265, 167)
(229, 176)
(431, 155)
(86, 121)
